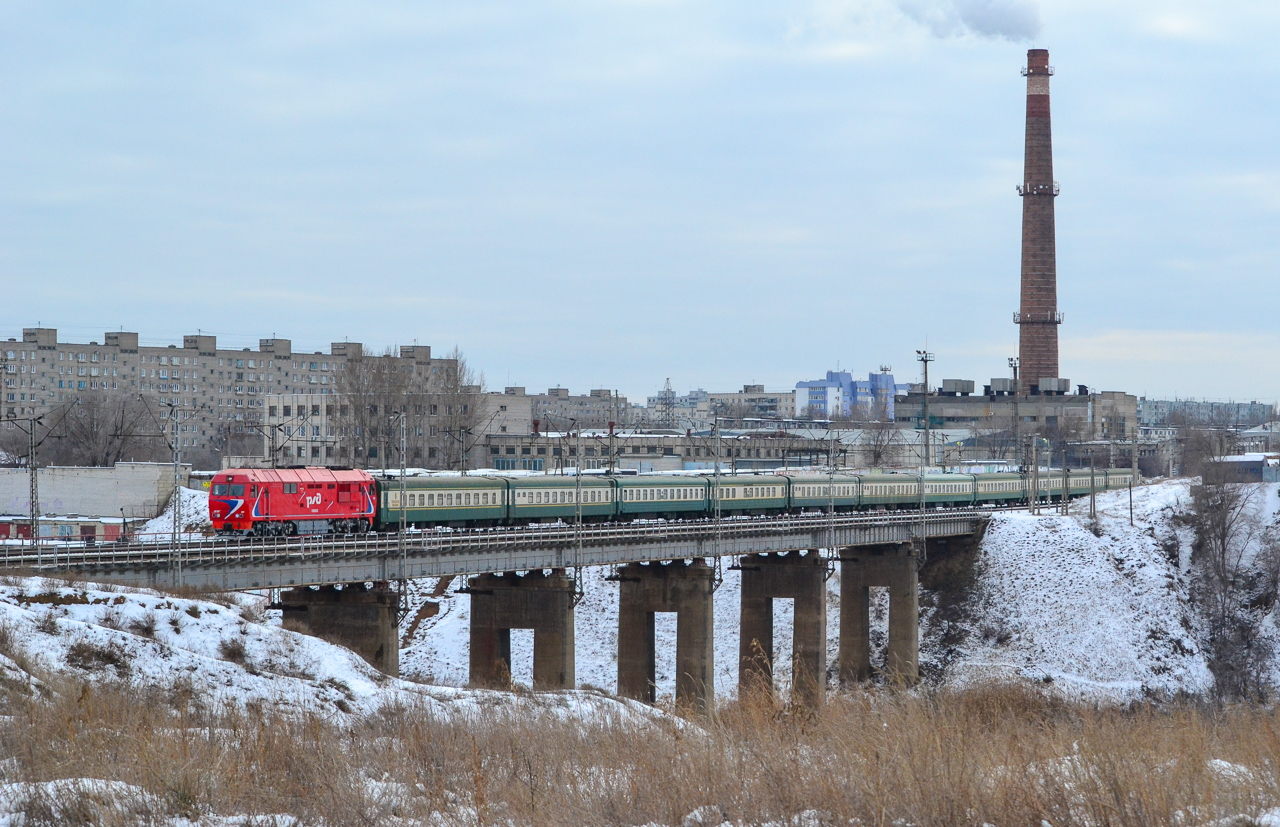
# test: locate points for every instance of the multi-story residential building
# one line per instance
(213, 400)
(753, 402)
(1191, 411)
(509, 412)
(557, 408)
(668, 410)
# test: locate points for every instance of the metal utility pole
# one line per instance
(1065, 505)
(35, 488)
(924, 357)
(404, 502)
(1017, 418)
(1035, 476)
(1093, 489)
(175, 545)
(831, 496)
(716, 488)
(577, 482)
(577, 513)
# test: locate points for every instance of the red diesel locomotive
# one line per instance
(288, 501)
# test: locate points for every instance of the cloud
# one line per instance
(1178, 347)
(1015, 20)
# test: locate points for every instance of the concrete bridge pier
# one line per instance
(801, 577)
(686, 589)
(894, 566)
(537, 601)
(363, 620)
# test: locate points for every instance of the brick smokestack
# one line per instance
(1038, 316)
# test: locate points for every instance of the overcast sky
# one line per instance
(600, 194)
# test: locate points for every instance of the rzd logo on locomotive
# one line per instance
(310, 500)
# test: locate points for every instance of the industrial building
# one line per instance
(1084, 415)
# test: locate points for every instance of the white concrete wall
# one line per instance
(142, 489)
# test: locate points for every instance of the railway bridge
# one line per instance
(343, 588)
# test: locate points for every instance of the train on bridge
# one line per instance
(313, 500)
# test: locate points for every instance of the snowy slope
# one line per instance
(195, 517)
(1099, 616)
(1102, 617)
(225, 654)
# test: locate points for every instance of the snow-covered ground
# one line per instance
(195, 518)
(225, 653)
(1102, 616)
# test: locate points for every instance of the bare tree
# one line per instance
(438, 400)
(101, 429)
(455, 410)
(1200, 444)
(1228, 521)
(881, 444)
(994, 438)
(372, 389)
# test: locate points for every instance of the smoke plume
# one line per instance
(1017, 20)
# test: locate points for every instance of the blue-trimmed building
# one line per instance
(840, 395)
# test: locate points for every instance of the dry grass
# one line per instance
(1001, 755)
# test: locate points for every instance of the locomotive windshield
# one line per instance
(220, 490)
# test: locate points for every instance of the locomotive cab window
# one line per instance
(237, 490)
(219, 490)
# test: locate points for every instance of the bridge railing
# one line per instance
(246, 550)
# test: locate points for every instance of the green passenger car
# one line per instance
(889, 491)
(749, 493)
(1001, 488)
(948, 489)
(813, 491)
(550, 498)
(652, 495)
(443, 500)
